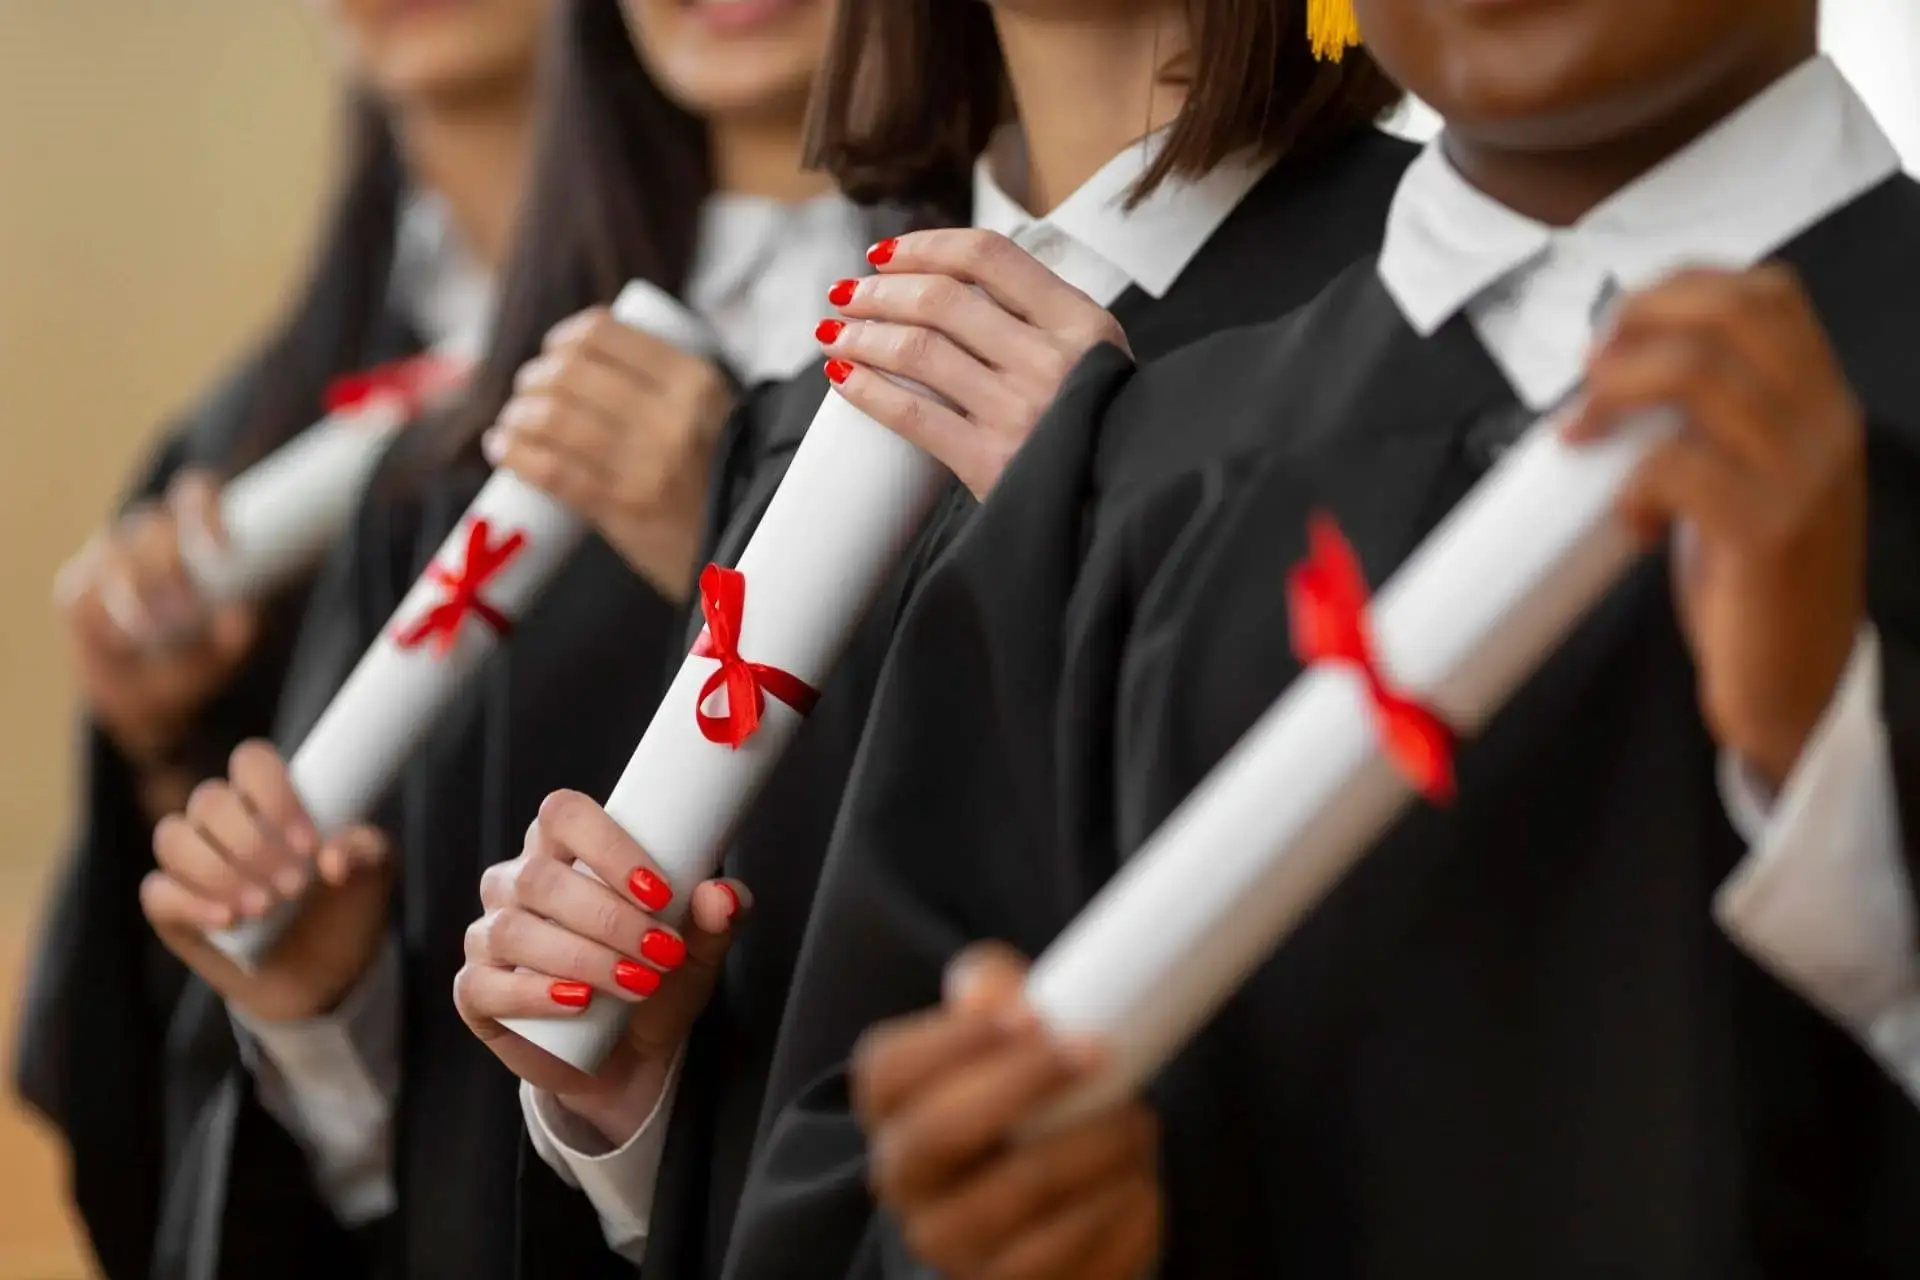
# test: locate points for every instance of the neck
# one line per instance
(1560, 184)
(475, 156)
(1085, 88)
(760, 156)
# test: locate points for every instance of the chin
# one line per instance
(452, 66)
(742, 97)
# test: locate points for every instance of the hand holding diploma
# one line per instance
(621, 426)
(552, 938)
(852, 502)
(490, 570)
(151, 652)
(976, 320)
(246, 843)
(1770, 481)
(942, 1094)
(1715, 406)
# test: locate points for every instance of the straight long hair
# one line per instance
(339, 313)
(620, 173)
(912, 90)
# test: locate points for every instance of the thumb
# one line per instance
(986, 977)
(361, 848)
(718, 908)
(194, 499)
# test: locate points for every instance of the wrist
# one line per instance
(664, 556)
(619, 1112)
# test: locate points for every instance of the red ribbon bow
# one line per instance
(723, 601)
(440, 625)
(412, 383)
(1328, 598)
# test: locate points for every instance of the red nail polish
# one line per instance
(663, 948)
(733, 899)
(571, 995)
(841, 294)
(881, 254)
(636, 977)
(838, 371)
(649, 889)
(828, 331)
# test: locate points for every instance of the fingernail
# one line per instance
(493, 445)
(649, 889)
(829, 331)
(302, 839)
(663, 948)
(838, 371)
(733, 899)
(290, 882)
(636, 977)
(570, 995)
(881, 254)
(842, 293)
(254, 900)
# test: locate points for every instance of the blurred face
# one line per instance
(732, 57)
(1550, 74)
(436, 50)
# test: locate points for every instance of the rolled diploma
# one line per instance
(395, 695)
(852, 500)
(282, 514)
(1308, 791)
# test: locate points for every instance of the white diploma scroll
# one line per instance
(1309, 790)
(851, 504)
(491, 569)
(282, 514)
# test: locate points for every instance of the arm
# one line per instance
(332, 1083)
(618, 1180)
(1823, 899)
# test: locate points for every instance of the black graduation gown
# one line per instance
(242, 1201)
(1513, 1042)
(806, 1208)
(93, 1056)
(561, 706)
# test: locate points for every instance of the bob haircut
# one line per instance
(911, 91)
(620, 173)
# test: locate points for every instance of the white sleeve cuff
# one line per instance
(331, 1083)
(617, 1181)
(1822, 899)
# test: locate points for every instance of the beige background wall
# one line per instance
(161, 163)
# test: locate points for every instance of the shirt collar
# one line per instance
(441, 289)
(759, 269)
(1801, 149)
(1151, 243)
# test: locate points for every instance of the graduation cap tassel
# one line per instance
(1332, 28)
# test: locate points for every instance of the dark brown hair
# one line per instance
(912, 90)
(620, 173)
(338, 314)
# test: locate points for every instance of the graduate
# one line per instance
(670, 153)
(439, 106)
(1624, 1006)
(1175, 230)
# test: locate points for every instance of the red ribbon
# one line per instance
(723, 601)
(412, 383)
(440, 625)
(1328, 598)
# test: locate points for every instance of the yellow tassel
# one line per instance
(1332, 28)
